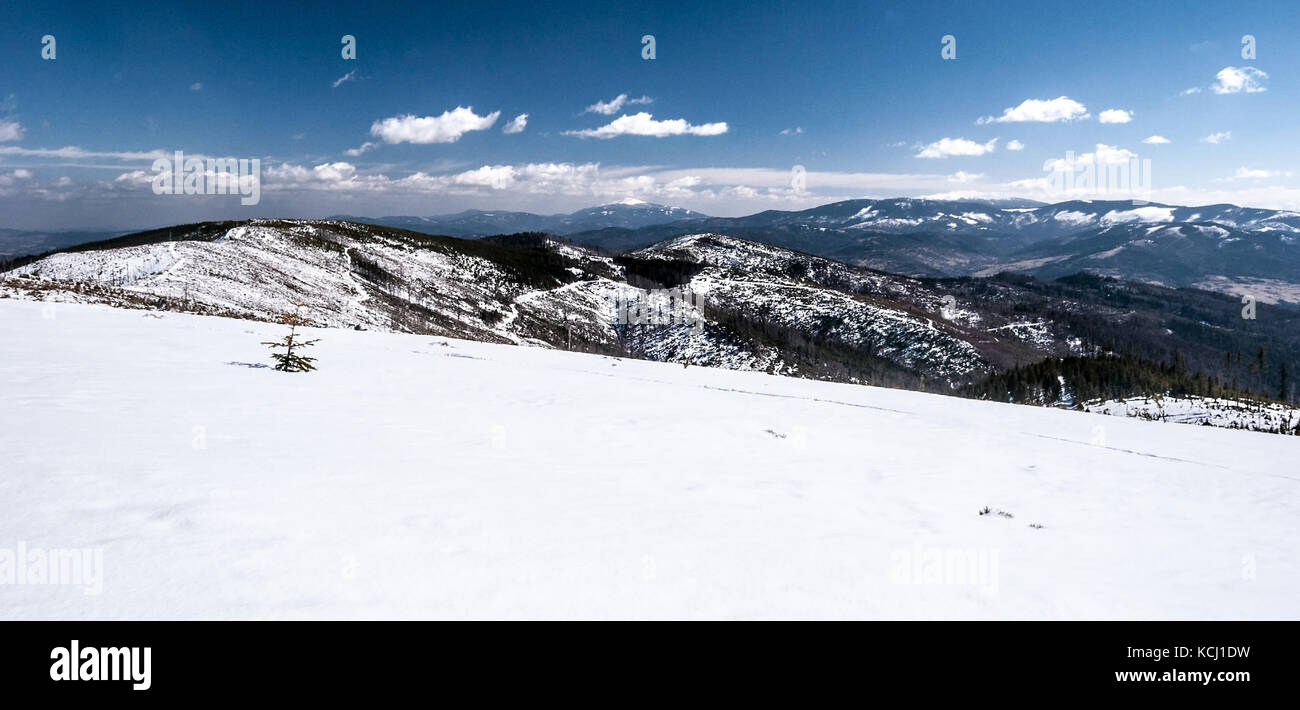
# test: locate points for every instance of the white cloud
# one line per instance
(1014, 144)
(446, 128)
(1115, 115)
(1103, 155)
(196, 86)
(73, 152)
(23, 174)
(1189, 92)
(569, 183)
(643, 124)
(298, 176)
(497, 177)
(1061, 108)
(516, 124)
(346, 77)
(947, 147)
(796, 131)
(354, 152)
(614, 105)
(1244, 173)
(10, 130)
(1236, 80)
(1155, 140)
(1217, 138)
(1109, 155)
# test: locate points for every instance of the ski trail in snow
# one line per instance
(506, 321)
(809, 399)
(503, 328)
(1126, 451)
(177, 260)
(347, 254)
(752, 392)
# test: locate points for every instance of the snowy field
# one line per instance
(415, 477)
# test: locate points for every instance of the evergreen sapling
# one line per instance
(290, 361)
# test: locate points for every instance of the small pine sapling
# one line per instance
(290, 361)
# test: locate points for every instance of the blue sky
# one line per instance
(736, 96)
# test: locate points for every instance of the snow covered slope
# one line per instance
(414, 476)
(529, 292)
(765, 308)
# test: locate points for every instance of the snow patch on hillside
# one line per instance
(1210, 411)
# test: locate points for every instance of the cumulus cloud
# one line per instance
(296, 175)
(643, 124)
(1115, 115)
(1155, 140)
(1237, 80)
(19, 174)
(1244, 173)
(1061, 108)
(346, 77)
(446, 128)
(616, 104)
(1217, 138)
(948, 147)
(516, 124)
(10, 130)
(1102, 155)
(497, 177)
(1014, 144)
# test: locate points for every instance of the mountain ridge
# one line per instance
(767, 308)
(1222, 247)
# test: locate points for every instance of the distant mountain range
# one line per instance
(1223, 248)
(629, 214)
(20, 242)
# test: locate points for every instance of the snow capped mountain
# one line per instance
(629, 214)
(1153, 247)
(955, 238)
